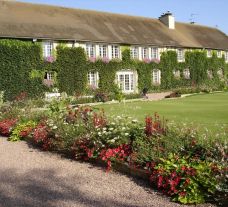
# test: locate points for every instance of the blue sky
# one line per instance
(205, 12)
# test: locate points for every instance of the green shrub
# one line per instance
(17, 60)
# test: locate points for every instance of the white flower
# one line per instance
(110, 129)
(126, 134)
(54, 127)
(123, 128)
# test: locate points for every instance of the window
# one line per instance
(219, 53)
(156, 77)
(90, 50)
(103, 51)
(176, 74)
(209, 74)
(209, 53)
(93, 79)
(47, 49)
(134, 52)
(115, 51)
(226, 56)
(220, 73)
(180, 55)
(126, 81)
(186, 73)
(154, 53)
(145, 53)
(49, 76)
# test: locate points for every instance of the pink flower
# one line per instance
(50, 59)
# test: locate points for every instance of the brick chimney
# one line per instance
(168, 20)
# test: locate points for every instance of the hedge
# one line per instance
(17, 60)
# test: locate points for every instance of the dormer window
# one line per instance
(103, 51)
(209, 53)
(90, 50)
(154, 53)
(47, 49)
(180, 55)
(115, 51)
(145, 53)
(226, 56)
(219, 53)
(134, 52)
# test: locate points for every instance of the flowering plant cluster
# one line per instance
(6, 126)
(40, 136)
(50, 59)
(154, 127)
(187, 181)
(22, 130)
(177, 162)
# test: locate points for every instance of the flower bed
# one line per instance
(175, 162)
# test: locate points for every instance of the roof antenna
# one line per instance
(193, 19)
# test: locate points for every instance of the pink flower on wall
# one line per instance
(92, 59)
(155, 60)
(105, 60)
(146, 60)
(50, 59)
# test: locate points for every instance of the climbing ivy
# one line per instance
(22, 69)
(17, 60)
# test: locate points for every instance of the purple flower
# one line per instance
(92, 59)
(155, 60)
(146, 60)
(105, 60)
(50, 59)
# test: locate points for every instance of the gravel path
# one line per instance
(31, 178)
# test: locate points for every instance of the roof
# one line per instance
(26, 20)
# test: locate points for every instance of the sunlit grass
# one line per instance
(204, 111)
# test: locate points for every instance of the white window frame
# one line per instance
(91, 50)
(134, 52)
(93, 79)
(154, 53)
(156, 77)
(145, 53)
(180, 55)
(47, 49)
(126, 81)
(219, 54)
(103, 51)
(186, 74)
(115, 51)
(176, 74)
(220, 73)
(209, 53)
(226, 56)
(209, 74)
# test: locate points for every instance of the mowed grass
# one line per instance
(204, 110)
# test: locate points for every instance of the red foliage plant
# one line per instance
(120, 153)
(99, 120)
(21, 97)
(6, 126)
(40, 136)
(154, 126)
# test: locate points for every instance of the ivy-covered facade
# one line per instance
(158, 54)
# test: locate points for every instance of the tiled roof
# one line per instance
(25, 20)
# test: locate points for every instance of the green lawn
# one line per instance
(208, 110)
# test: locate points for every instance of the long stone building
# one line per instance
(103, 34)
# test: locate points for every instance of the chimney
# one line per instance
(168, 19)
